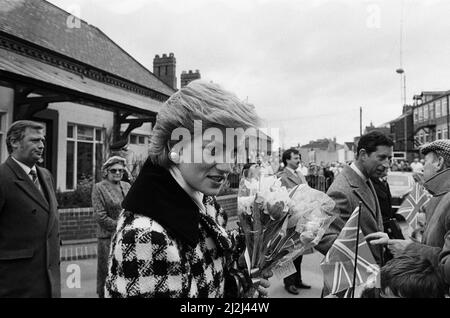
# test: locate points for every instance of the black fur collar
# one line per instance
(156, 194)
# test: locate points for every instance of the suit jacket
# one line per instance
(29, 234)
(347, 190)
(290, 180)
(384, 197)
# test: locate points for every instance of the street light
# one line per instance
(402, 74)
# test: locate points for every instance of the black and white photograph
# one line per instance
(245, 151)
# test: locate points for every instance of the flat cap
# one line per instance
(441, 147)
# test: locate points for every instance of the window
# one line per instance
(425, 112)
(439, 134)
(138, 139)
(420, 114)
(432, 111)
(444, 106)
(84, 154)
(438, 108)
(416, 115)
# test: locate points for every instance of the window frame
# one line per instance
(75, 140)
(438, 108)
(444, 107)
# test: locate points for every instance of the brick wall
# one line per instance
(229, 204)
(77, 224)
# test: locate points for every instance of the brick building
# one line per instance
(431, 117)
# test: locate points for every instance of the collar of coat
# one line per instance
(157, 195)
(439, 184)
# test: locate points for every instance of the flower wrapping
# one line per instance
(278, 224)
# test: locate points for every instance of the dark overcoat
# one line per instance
(29, 234)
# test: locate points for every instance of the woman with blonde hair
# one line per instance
(171, 239)
(107, 197)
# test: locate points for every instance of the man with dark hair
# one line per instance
(353, 185)
(408, 276)
(29, 231)
(435, 244)
(291, 177)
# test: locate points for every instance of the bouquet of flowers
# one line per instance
(278, 224)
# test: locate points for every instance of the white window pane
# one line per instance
(85, 133)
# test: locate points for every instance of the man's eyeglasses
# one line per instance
(114, 171)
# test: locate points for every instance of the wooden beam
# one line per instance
(139, 120)
(44, 99)
(22, 112)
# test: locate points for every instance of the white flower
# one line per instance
(251, 185)
(245, 204)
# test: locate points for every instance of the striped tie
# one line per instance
(35, 179)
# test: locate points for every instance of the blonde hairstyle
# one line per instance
(199, 100)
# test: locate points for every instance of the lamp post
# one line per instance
(403, 97)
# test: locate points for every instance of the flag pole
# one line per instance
(356, 251)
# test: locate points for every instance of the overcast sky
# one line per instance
(307, 66)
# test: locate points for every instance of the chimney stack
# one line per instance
(165, 69)
(186, 77)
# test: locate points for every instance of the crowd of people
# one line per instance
(165, 235)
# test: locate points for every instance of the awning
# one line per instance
(15, 64)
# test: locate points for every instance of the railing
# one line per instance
(316, 182)
(319, 182)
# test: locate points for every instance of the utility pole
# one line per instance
(360, 121)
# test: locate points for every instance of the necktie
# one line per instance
(374, 193)
(35, 180)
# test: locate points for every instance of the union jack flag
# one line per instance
(339, 263)
(413, 204)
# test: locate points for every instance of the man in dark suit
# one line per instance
(290, 178)
(353, 185)
(29, 230)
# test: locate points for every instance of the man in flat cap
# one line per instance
(435, 244)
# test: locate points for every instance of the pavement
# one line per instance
(78, 279)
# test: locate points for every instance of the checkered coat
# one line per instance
(148, 259)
